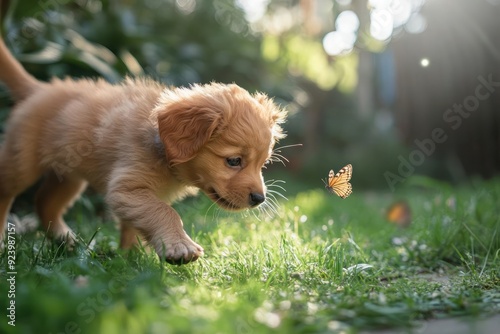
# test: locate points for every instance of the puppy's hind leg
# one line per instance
(53, 198)
(14, 179)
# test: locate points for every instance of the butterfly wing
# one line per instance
(339, 183)
(327, 180)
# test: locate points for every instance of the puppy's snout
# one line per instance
(256, 199)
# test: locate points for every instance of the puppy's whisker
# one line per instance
(215, 213)
(275, 192)
(272, 200)
(273, 182)
(259, 210)
(268, 209)
(273, 206)
(273, 196)
(208, 210)
(275, 158)
(262, 210)
(286, 146)
(276, 155)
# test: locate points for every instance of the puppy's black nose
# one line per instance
(256, 199)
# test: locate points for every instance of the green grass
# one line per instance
(321, 264)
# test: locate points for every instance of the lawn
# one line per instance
(317, 264)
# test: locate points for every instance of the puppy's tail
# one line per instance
(20, 83)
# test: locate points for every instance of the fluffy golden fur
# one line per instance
(141, 144)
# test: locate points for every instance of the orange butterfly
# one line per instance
(339, 183)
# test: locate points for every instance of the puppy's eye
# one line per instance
(233, 162)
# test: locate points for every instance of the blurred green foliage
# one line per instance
(174, 44)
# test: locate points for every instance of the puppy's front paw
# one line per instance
(179, 250)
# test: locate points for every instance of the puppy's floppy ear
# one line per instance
(185, 128)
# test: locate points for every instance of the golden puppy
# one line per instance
(139, 143)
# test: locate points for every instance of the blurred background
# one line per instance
(395, 87)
